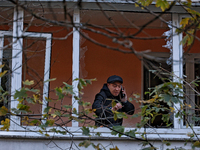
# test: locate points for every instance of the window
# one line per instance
(155, 72)
(192, 89)
(150, 80)
(6, 79)
(42, 44)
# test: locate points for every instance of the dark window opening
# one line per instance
(6, 79)
(156, 72)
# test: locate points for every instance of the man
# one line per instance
(112, 90)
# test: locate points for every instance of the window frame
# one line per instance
(190, 74)
(48, 37)
(176, 133)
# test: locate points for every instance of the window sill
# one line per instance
(152, 134)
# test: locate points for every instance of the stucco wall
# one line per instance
(41, 144)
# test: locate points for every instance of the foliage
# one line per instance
(188, 26)
(162, 102)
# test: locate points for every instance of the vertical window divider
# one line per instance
(16, 77)
(46, 70)
(177, 66)
(75, 61)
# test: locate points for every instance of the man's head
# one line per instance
(114, 84)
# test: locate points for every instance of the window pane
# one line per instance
(97, 60)
(6, 79)
(197, 88)
(156, 73)
(33, 70)
(192, 89)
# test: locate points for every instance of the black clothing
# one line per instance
(103, 105)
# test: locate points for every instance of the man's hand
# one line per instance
(117, 106)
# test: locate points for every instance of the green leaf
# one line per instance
(20, 94)
(48, 99)
(98, 134)
(30, 100)
(68, 89)
(67, 107)
(193, 12)
(23, 107)
(53, 79)
(114, 103)
(163, 4)
(115, 116)
(167, 143)
(35, 121)
(47, 109)
(119, 130)
(166, 97)
(89, 81)
(131, 133)
(174, 99)
(188, 3)
(121, 115)
(57, 113)
(66, 115)
(136, 115)
(75, 111)
(49, 122)
(59, 93)
(85, 131)
(32, 90)
(85, 143)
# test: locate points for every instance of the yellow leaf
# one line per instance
(3, 111)
(145, 2)
(184, 22)
(196, 144)
(172, 109)
(115, 116)
(1, 66)
(3, 73)
(46, 134)
(40, 131)
(6, 124)
(163, 4)
(27, 82)
(36, 97)
(53, 115)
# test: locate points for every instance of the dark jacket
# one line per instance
(103, 105)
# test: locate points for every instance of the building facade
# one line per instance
(66, 40)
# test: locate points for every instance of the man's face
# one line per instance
(114, 88)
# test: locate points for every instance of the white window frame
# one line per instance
(75, 61)
(16, 79)
(176, 133)
(190, 74)
(190, 66)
